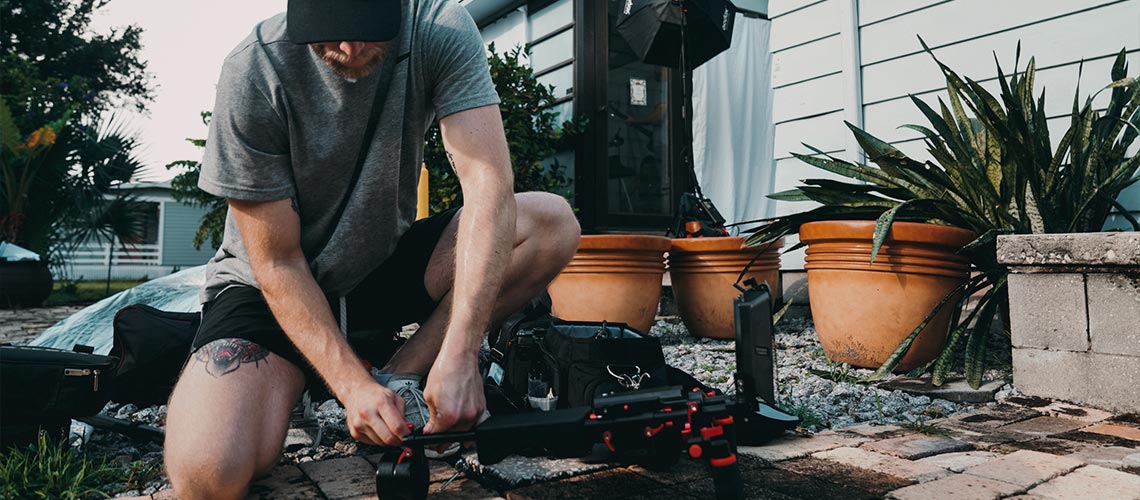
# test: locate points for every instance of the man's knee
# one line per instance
(550, 219)
(195, 474)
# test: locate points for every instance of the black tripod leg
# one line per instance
(727, 482)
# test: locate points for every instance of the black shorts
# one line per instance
(392, 296)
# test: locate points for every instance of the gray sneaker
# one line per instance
(407, 386)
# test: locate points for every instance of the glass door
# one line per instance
(634, 116)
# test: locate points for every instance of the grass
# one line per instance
(837, 372)
(807, 417)
(920, 426)
(47, 469)
(86, 292)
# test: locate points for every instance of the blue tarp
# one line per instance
(93, 325)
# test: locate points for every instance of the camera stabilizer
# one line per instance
(650, 426)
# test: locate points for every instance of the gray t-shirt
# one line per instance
(286, 126)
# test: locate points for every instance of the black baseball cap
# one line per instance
(312, 21)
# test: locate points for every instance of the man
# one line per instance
(314, 247)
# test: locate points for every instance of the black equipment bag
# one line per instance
(590, 359)
(152, 346)
(42, 385)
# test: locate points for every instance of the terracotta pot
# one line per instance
(24, 283)
(613, 277)
(863, 310)
(703, 270)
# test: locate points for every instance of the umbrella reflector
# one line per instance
(653, 29)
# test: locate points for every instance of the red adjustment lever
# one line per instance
(723, 421)
(608, 438)
(652, 431)
(723, 462)
(406, 454)
(711, 432)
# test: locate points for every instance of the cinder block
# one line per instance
(1108, 381)
(1114, 313)
(1048, 311)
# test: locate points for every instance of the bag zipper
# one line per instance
(83, 372)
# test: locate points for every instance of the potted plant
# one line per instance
(703, 272)
(612, 277)
(996, 173)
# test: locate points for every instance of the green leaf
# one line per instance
(979, 338)
(793, 194)
(882, 227)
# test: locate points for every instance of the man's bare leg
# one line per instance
(546, 239)
(227, 419)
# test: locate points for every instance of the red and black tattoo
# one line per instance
(227, 355)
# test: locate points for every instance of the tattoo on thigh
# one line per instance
(227, 355)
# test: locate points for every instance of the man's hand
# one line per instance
(375, 415)
(454, 395)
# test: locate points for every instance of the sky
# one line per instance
(184, 44)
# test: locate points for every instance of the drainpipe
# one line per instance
(852, 75)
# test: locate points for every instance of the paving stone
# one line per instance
(696, 470)
(285, 482)
(1097, 438)
(960, 461)
(462, 489)
(1075, 412)
(342, 478)
(958, 487)
(1044, 426)
(915, 446)
(1025, 468)
(801, 446)
(875, 431)
(796, 485)
(877, 482)
(610, 484)
(1051, 446)
(1091, 482)
(1120, 431)
(1112, 457)
(1025, 497)
(886, 464)
(991, 417)
(955, 389)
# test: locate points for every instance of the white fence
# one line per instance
(99, 254)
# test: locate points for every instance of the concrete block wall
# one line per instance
(1075, 316)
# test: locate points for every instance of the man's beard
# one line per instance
(373, 54)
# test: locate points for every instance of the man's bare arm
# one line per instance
(271, 233)
(477, 147)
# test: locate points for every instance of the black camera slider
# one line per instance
(650, 426)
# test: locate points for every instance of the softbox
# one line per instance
(653, 29)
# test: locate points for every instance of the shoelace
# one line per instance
(413, 396)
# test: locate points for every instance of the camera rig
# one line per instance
(651, 427)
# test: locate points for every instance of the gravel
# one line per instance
(828, 398)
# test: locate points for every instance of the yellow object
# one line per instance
(422, 196)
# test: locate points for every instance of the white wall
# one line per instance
(810, 84)
(508, 31)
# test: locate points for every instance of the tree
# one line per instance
(533, 134)
(51, 62)
(57, 79)
(185, 187)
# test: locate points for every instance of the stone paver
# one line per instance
(955, 389)
(1025, 468)
(886, 464)
(958, 462)
(1112, 457)
(1118, 430)
(799, 446)
(1044, 426)
(915, 446)
(18, 326)
(1091, 482)
(285, 482)
(878, 482)
(610, 484)
(875, 431)
(1061, 409)
(958, 487)
(991, 417)
(343, 478)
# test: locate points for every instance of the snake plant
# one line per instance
(994, 172)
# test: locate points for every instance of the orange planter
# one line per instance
(863, 310)
(613, 277)
(703, 271)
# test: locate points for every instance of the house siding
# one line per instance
(809, 83)
(181, 222)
